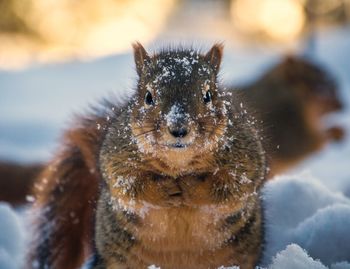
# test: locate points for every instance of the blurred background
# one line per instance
(59, 56)
(52, 31)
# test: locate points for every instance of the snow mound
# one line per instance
(341, 265)
(293, 257)
(326, 234)
(11, 238)
(301, 210)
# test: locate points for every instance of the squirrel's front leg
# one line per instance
(113, 239)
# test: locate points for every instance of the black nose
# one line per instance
(178, 132)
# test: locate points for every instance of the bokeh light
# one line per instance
(281, 20)
(65, 29)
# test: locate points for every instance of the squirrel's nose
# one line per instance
(178, 132)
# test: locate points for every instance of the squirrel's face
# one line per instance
(178, 114)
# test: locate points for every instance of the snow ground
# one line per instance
(306, 210)
(12, 238)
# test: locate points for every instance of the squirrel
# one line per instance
(292, 99)
(169, 177)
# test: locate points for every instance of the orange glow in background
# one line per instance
(44, 31)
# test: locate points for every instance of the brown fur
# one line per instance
(16, 181)
(175, 200)
(67, 192)
(291, 99)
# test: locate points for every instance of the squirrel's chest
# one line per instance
(198, 237)
(176, 229)
(181, 238)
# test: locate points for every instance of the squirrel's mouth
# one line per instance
(177, 145)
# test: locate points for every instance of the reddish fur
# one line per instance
(70, 186)
(16, 181)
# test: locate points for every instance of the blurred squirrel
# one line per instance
(171, 177)
(291, 99)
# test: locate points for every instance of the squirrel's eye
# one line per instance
(207, 97)
(149, 99)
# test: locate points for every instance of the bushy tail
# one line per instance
(67, 192)
(16, 182)
(64, 214)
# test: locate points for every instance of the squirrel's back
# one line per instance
(291, 99)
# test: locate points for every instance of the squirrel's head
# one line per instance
(311, 83)
(178, 114)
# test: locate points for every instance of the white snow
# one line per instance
(293, 257)
(174, 115)
(153, 267)
(301, 210)
(11, 238)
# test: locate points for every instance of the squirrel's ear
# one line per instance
(141, 57)
(291, 68)
(214, 56)
(290, 61)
